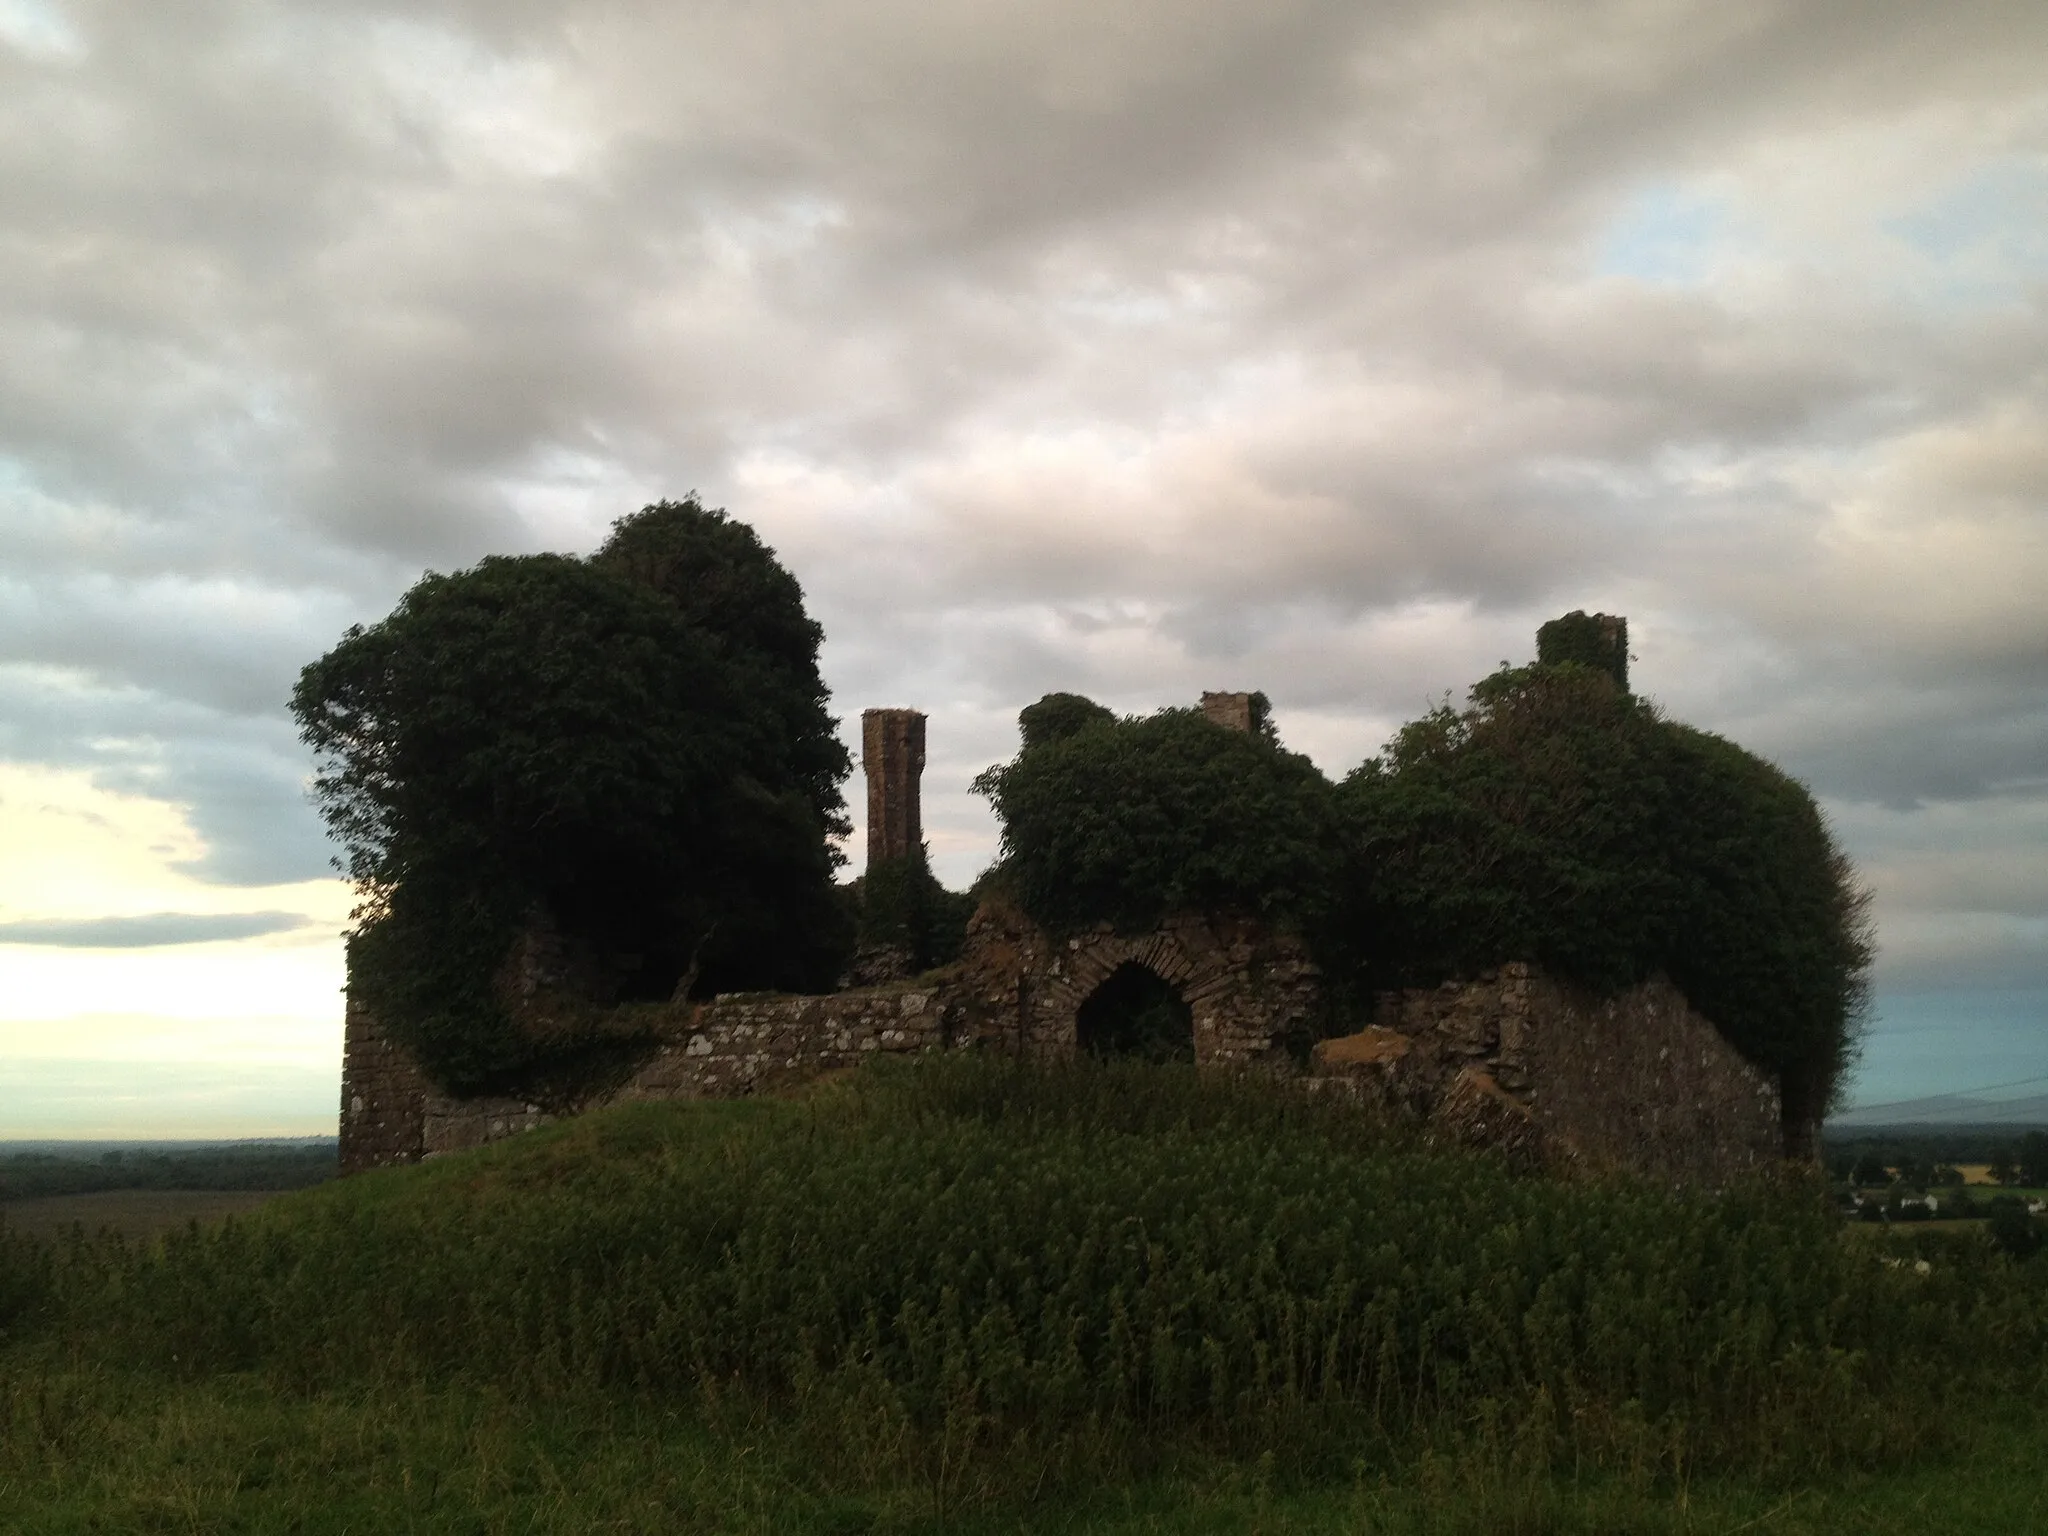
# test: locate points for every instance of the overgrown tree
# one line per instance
(730, 588)
(632, 749)
(2014, 1229)
(2003, 1168)
(1559, 819)
(1057, 716)
(1127, 820)
(904, 910)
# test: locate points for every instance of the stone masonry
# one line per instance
(892, 753)
(382, 1096)
(729, 1047)
(1252, 993)
(1252, 990)
(1521, 1062)
(1232, 711)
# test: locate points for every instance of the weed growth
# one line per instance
(983, 1276)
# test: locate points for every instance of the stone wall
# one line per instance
(744, 1042)
(1511, 1060)
(1252, 994)
(383, 1096)
(726, 1048)
(1232, 711)
(1252, 991)
(1519, 1061)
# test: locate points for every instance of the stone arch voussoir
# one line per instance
(1212, 962)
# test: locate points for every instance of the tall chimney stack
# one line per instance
(892, 753)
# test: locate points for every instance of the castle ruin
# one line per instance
(1511, 1059)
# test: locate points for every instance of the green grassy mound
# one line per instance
(1018, 1278)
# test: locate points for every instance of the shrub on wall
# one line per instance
(1126, 820)
(1058, 716)
(903, 907)
(1556, 819)
(1596, 640)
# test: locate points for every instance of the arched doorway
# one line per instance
(1136, 1013)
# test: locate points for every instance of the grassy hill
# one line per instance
(965, 1291)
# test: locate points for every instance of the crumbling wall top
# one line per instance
(1232, 711)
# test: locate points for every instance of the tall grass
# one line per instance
(961, 1266)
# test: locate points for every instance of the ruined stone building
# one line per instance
(1511, 1059)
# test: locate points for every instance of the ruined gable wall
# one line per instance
(1641, 1080)
(1517, 1060)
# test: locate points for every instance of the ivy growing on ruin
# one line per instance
(905, 912)
(1127, 820)
(631, 751)
(1556, 819)
(1559, 819)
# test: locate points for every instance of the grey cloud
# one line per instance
(148, 930)
(241, 780)
(1905, 747)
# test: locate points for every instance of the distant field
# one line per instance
(40, 1170)
(131, 1212)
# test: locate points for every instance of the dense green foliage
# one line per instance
(962, 1262)
(2030, 1160)
(1128, 820)
(634, 748)
(903, 908)
(732, 590)
(28, 1175)
(1058, 716)
(1595, 640)
(1559, 820)
(92, 1448)
(962, 1295)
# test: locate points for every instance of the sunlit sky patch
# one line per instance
(1665, 234)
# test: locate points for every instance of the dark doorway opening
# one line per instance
(1137, 1013)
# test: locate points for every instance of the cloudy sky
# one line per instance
(1128, 347)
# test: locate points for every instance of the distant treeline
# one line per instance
(1932, 1156)
(24, 1175)
(1951, 1144)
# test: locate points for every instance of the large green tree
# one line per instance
(1562, 820)
(633, 749)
